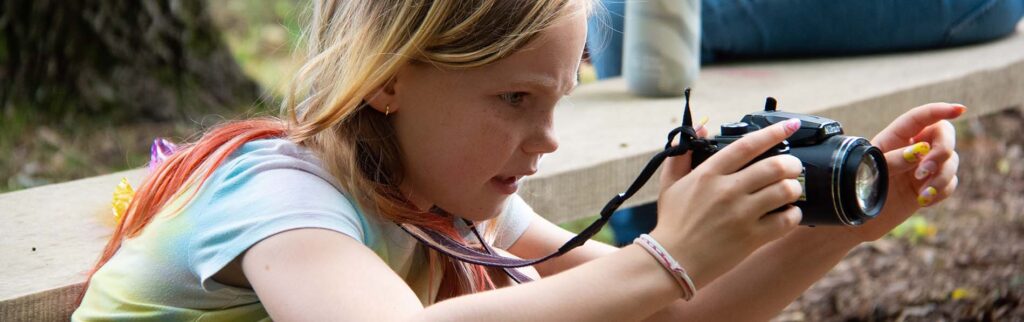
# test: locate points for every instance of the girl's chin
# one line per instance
(480, 211)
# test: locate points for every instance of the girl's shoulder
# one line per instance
(274, 180)
(266, 187)
(260, 156)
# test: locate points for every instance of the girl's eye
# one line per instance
(513, 98)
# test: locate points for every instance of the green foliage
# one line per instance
(263, 37)
(914, 229)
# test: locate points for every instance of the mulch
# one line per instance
(960, 260)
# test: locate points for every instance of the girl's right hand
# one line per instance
(715, 216)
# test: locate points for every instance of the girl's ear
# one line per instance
(382, 99)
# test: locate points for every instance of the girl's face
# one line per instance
(468, 137)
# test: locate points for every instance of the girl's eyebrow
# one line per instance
(545, 83)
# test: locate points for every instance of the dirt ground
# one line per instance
(959, 260)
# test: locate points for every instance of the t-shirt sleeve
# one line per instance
(514, 221)
(250, 204)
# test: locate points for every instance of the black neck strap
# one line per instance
(688, 140)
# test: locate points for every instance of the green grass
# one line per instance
(576, 226)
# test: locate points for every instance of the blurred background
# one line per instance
(78, 103)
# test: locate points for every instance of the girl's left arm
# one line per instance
(757, 289)
(775, 275)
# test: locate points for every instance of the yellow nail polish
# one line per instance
(927, 196)
(916, 152)
(700, 124)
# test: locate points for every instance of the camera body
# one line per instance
(845, 179)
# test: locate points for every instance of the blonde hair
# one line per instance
(355, 47)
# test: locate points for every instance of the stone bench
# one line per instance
(51, 235)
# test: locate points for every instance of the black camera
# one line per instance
(845, 178)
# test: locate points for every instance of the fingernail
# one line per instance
(960, 108)
(793, 218)
(927, 196)
(792, 125)
(700, 124)
(917, 151)
(924, 170)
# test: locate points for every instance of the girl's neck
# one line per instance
(419, 201)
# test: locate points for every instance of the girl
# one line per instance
(408, 107)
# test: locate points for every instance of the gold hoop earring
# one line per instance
(387, 110)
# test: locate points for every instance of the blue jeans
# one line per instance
(755, 29)
(733, 29)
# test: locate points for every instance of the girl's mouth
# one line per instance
(506, 185)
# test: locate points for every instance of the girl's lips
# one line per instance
(506, 185)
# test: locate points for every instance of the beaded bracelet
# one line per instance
(654, 248)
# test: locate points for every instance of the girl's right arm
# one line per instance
(315, 274)
(320, 275)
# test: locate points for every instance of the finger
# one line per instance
(906, 158)
(934, 146)
(941, 131)
(740, 153)
(939, 155)
(930, 192)
(778, 194)
(908, 125)
(702, 131)
(950, 187)
(768, 171)
(777, 224)
(943, 138)
(678, 166)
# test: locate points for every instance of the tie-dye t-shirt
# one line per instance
(264, 188)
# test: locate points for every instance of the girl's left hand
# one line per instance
(918, 148)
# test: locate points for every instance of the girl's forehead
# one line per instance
(552, 59)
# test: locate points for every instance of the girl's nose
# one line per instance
(542, 140)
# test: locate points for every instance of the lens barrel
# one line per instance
(846, 181)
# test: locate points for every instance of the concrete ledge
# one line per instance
(51, 235)
(607, 134)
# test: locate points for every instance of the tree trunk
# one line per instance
(121, 59)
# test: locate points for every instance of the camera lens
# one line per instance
(867, 183)
(846, 181)
(861, 181)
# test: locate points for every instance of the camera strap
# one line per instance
(688, 140)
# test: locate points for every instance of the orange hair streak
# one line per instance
(191, 164)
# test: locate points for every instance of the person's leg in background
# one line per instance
(749, 29)
(627, 224)
(989, 20)
(604, 38)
